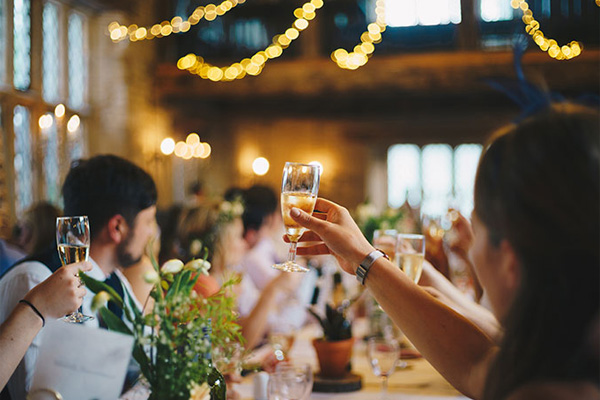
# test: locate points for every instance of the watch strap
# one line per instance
(365, 265)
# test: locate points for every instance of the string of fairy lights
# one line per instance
(363, 51)
(254, 65)
(344, 59)
(532, 27)
(134, 33)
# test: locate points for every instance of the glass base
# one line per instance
(77, 318)
(290, 266)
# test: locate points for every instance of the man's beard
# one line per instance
(124, 257)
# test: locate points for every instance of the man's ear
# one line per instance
(250, 235)
(117, 228)
(510, 266)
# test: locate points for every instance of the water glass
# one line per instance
(383, 355)
(290, 382)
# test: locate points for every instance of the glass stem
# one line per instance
(384, 385)
(292, 252)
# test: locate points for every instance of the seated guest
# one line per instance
(119, 199)
(261, 218)
(168, 221)
(37, 228)
(9, 254)
(55, 297)
(220, 229)
(535, 252)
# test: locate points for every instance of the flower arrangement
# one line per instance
(173, 342)
(227, 212)
(369, 219)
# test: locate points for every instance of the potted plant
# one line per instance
(334, 349)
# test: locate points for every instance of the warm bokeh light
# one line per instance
(260, 166)
(192, 139)
(359, 56)
(318, 164)
(199, 150)
(178, 24)
(73, 123)
(249, 66)
(167, 146)
(45, 121)
(180, 148)
(532, 27)
(207, 150)
(60, 110)
(188, 153)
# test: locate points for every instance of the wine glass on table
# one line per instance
(383, 354)
(410, 253)
(299, 188)
(73, 242)
(281, 338)
(290, 382)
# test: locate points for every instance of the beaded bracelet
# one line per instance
(35, 310)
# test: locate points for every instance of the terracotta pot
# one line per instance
(334, 357)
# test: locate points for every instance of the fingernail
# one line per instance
(295, 212)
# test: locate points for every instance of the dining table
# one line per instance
(413, 379)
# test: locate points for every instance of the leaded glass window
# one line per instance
(51, 54)
(496, 10)
(404, 174)
(437, 178)
(422, 12)
(4, 207)
(250, 34)
(22, 44)
(466, 159)
(77, 61)
(22, 159)
(2, 43)
(76, 141)
(51, 168)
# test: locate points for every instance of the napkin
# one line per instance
(80, 363)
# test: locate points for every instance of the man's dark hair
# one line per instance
(259, 202)
(104, 186)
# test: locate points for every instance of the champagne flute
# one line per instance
(383, 354)
(299, 188)
(73, 242)
(385, 240)
(410, 253)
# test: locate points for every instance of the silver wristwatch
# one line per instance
(365, 265)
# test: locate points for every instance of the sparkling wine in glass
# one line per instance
(410, 253)
(299, 188)
(383, 354)
(73, 242)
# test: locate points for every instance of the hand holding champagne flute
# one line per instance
(299, 188)
(73, 242)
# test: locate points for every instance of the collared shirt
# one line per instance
(13, 287)
(257, 263)
(9, 255)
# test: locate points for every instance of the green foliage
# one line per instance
(335, 324)
(170, 345)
